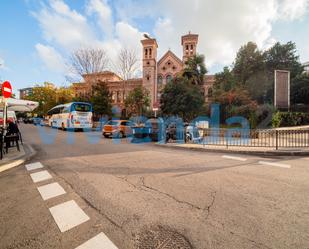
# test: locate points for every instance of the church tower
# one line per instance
(150, 47)
(189, 44)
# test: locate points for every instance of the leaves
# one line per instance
(137, 101)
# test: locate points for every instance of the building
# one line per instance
(25, 92)
(156, 73)
(306, 67)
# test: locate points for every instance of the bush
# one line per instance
(283, 119)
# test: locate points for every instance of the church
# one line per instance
(156, 73)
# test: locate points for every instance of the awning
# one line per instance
(19, 105)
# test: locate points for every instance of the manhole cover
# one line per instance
(161, 238)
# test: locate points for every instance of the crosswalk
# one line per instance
(66, 215)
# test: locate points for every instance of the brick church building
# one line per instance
(156, 73)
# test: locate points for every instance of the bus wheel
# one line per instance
(62, 127)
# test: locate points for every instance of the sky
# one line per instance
(38, 36)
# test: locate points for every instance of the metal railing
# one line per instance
(256, 138)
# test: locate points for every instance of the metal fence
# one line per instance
(256, 138)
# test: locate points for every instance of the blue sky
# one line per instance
(39, 35)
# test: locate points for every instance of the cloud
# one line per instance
(64, 26)
(51, 58)
(292, 9)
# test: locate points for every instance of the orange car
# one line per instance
(118, 128)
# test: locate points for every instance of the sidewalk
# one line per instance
(15, 158)
(239, 149)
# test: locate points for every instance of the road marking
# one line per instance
(275, 164)
(51, 190)
(235, 158)
(68, 215)
(40, 176)
(33, 166)
(101, 241)
(11, 165)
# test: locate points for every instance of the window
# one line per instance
(169, 78)
(187, 47)
(210, 92)
(160, 80)
(146, 52)
(150, 52)
(191, 47)
(80, 107)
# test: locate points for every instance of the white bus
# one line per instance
(74, 115)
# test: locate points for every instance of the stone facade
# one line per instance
(156, 73)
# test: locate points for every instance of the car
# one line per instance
(118, 128)
(193, 135)
(37, 121)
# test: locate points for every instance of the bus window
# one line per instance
(80, 107)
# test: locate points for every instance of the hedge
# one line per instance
(286, 119)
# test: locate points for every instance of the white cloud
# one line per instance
(51, 58)
(64, 26)
(292, 9)
(104, 13)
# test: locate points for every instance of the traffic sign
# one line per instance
(6, 89)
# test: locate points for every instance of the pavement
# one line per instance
(113, 194)
(263, 151)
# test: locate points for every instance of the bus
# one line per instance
(74, 115)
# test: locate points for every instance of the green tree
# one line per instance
(46, 96)
(101, 100)
(137, 101)
(181, 98)
(283, 57)
(195, 69)
(64, 95)
(300, 89)
(249, 60)
(224, 81)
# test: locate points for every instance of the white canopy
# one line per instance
(20, 105)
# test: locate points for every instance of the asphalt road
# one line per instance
(144, 196)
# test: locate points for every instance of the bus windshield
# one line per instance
(80, 107)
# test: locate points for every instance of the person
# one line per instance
(12, 128)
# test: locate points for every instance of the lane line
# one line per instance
(40, 176)
(101, 241)
(33, 166)
(275, 164)
(235, 158)
(68, 215)
(51, 190)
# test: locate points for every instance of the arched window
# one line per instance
(169, 78)
(160, 81)
(146, 52)
(150, 52)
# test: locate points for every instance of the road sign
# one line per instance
(6, 89)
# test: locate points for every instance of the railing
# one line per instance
(256, 138)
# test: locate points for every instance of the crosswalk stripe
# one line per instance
(275, 164)
(40, 176)
(235, 158)
(51, 190)
(33, 166)
(100, 241)
(68, 215)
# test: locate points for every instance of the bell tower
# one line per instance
(150, 47)
(189, 44)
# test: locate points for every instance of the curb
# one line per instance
(231, 151)
(20, 159)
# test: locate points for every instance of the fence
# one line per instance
(256, 138)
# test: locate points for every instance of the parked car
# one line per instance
(37, 121)
(193, 134)
(118, 128)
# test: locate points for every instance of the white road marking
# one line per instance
(33, 166)
(275, 164)
(40, 176)
(101, 241)
(68, 215)
(235, 158)
(51, 190)
(11, 165)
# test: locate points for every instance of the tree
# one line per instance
(300, 89)
(181, 98)
(249, 60)
(64, 95)
(127, 63)
(283, 57)
(88, 60)
(137, 101)
(224, 81)
(101, 99)
(195, 69)
(46, 96)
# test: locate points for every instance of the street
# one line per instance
(145, 196)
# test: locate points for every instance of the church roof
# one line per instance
(170, 53)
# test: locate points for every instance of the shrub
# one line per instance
(283, 119)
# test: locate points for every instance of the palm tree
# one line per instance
(195, 69)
